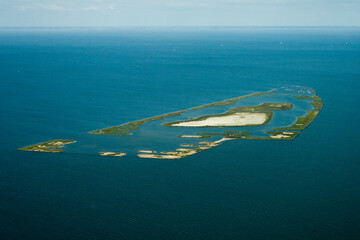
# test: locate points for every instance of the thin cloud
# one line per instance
(52, 7)
(91, 8)
(49, 7)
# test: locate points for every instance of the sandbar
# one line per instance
(228, 120)
(112, 154)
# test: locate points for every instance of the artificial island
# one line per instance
(278, 114)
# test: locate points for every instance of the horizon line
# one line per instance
(193, 26)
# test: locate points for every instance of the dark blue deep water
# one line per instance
(56, 83)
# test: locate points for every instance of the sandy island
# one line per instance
(190, 136)
(147, 151)
(228, 120)
(182, 152)
(113, 154)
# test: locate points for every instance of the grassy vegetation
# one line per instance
(317, 105)
(212, 134)
(269, 116)
(143, 121)
(314, 98)
(189, 145)
(302, 122)
(125, 130)
(230, 101)
(265, 107)
(276, 136)
(218, 104)
(237, 132)
(225, 134)
(117, 130)
(250, 95)
(51, 146)
(238, 135)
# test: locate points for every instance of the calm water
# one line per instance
(57, 83)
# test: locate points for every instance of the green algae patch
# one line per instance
(266, 107)
(51, 146)
(302, 122)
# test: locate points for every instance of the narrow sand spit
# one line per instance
(224, 139)
(147, 151)
(190, 136)
(106, 153)
(183, 149)
(235, 119)
(279, 136)
(113, 154)
(158, 156)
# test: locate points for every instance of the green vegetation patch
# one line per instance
(318, 105)
(302, 122)
(314, 98)
(266, 107)
(117, 130)
(230, 101)
(143, 121)
(212, 134)
(218, 104)
(189, 145)
(51, 146)
(237, 132)
(125, 130)
(276, 136)
(250, 95)
(233, 134)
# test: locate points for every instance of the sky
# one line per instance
(125, 13)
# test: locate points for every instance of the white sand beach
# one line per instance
(235, 119)
(113, 154)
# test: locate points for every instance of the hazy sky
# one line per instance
(179, 12)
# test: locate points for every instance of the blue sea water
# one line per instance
(57, 83)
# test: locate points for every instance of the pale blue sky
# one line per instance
(179, 13)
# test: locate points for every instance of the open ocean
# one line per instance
(60, 82)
